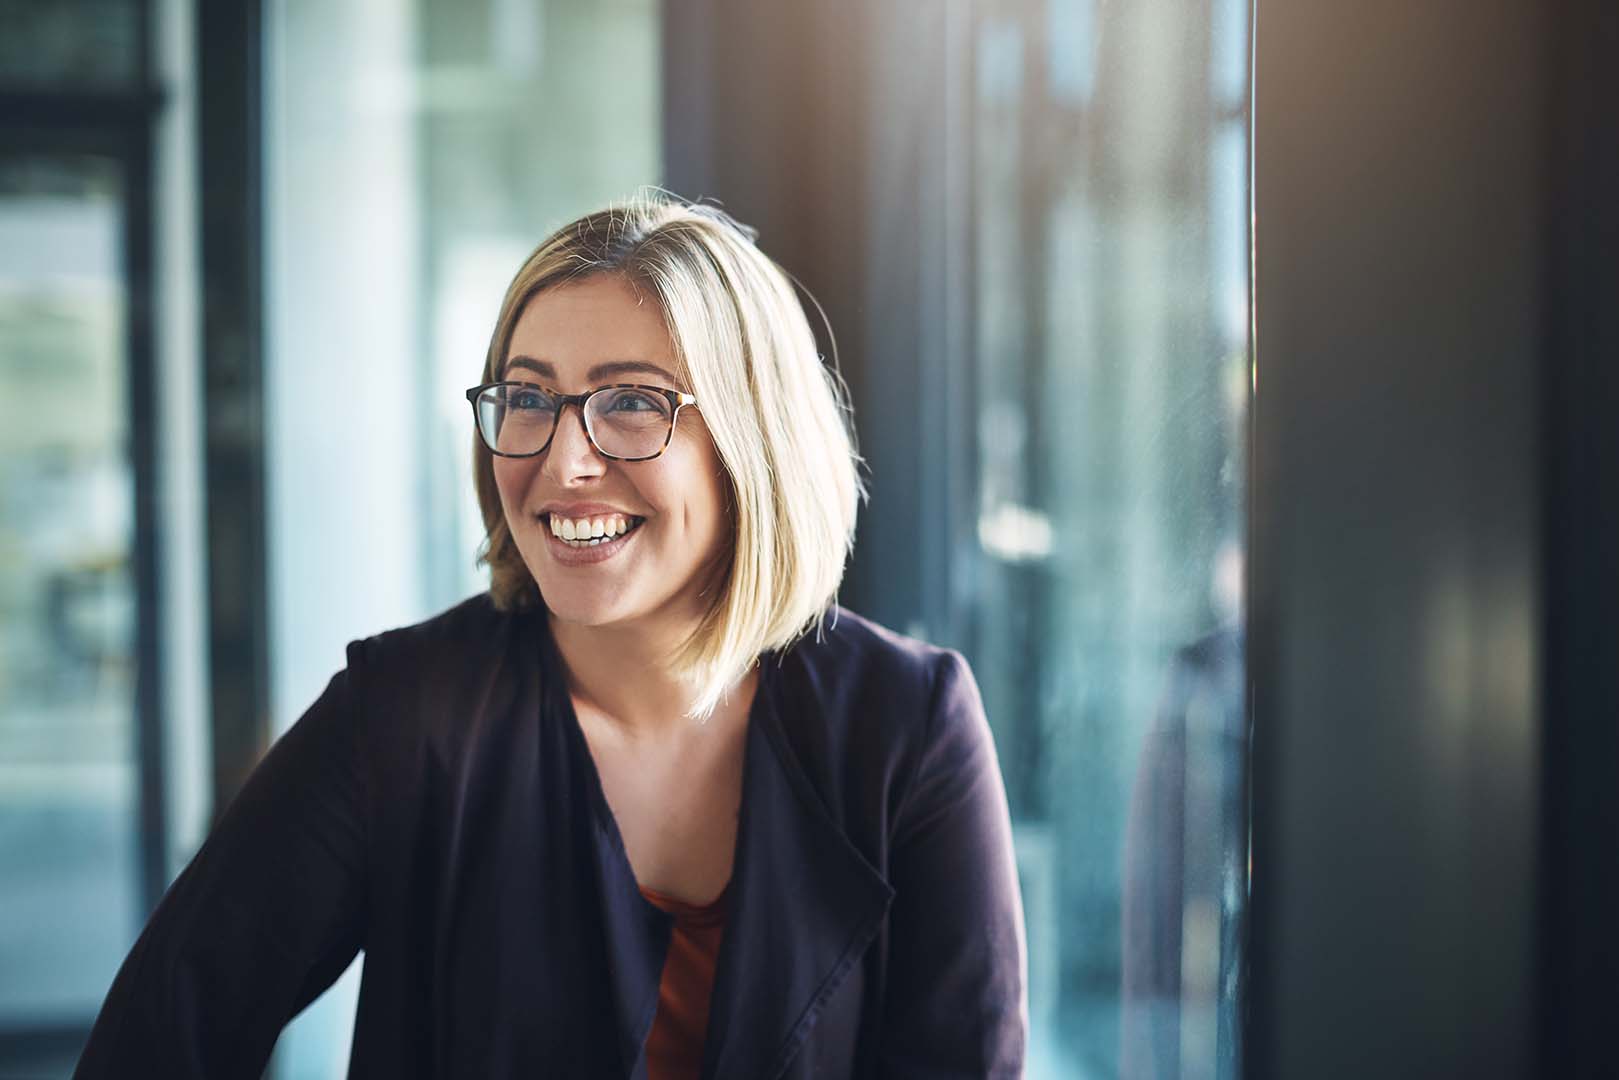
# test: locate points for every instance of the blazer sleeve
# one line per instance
(956, 1003)
(262, 921)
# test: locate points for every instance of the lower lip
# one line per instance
(569, 555)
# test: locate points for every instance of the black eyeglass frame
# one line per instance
(677, 400)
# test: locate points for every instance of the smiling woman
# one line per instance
(680, 294)
(647, 587)
(654, 806)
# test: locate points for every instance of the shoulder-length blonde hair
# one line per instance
(779, 418)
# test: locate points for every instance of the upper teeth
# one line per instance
(589, 528)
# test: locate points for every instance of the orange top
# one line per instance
(674, 1048)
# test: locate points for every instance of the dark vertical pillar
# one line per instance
(692, 82)
(229, 80)
(1397, 557)
(1580, 838)
(140, 211)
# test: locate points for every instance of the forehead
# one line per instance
(574, 333)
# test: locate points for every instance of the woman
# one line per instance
(651, 807)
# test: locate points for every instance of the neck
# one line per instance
(626, 675)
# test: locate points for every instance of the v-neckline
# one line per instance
(596, 792)
(802, 904)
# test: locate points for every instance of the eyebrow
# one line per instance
(607, 369)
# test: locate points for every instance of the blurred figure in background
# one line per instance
(1184, 868)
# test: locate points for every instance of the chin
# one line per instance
(568, 606)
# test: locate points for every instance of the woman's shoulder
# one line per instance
(470, 628)
(847, 639)
(456, 656)
(853, 664)
(862, 707)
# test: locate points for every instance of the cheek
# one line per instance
(511, 481)
(686, 491)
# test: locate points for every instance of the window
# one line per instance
(1054, 404)
(1099, 589)
(70, 779)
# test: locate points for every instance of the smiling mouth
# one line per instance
(590, 532)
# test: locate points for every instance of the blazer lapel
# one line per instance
(637, 940)
(635, 933)
(804, 906)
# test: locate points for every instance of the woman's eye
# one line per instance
(633, 401)
(525, 400)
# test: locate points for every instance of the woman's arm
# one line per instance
(955, 1004)
(266, 916)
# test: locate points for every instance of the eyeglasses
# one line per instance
(624, 421)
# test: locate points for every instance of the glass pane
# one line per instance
(1110, 258)
(68, 782)
(82, 45)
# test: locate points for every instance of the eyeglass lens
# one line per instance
(622, 421)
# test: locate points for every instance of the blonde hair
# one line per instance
(779, 418)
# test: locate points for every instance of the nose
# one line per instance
(571, 457)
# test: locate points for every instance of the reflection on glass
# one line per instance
(68, 798)
(1109, 254)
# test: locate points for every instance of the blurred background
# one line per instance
(251, 253)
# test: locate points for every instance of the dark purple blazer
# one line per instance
(438, 808)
